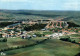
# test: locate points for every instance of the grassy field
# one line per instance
(20, 15)
(18, 42)
(51, 47)
(14, 42)
(75, 37)
(3, 45)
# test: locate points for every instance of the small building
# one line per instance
(47, 35)
(43, 29)
(56, 35)
(34, 36)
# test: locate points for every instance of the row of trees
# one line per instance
(69, 40)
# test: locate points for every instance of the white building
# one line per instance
(56, 35)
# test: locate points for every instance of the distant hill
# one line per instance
(19, 15)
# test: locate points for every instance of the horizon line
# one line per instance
(39, 10)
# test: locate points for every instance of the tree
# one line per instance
(4, 40)
(73, 41)
(38, 34)
(0, 35)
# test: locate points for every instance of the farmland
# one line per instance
(51, 47)
(73, 37)
(18, 42)
(22, 15)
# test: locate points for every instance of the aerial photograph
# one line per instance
(39, 27)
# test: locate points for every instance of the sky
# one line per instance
(40, 4)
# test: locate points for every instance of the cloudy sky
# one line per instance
(40, 4)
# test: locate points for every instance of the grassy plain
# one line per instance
(14, 42)
(51, 47)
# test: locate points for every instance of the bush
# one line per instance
(73, 41)
(66, 39)
(38, 34)
(3, 40)
(69, 40)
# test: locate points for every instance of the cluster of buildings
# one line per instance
(14, 30)
(62, 32)
(58, 24)
(55, 35)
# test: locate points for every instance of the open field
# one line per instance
(73, 37)
(18, 42)
(3, 45)
(22, 15)
(14, 42)
(51, 47)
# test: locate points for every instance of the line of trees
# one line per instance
(68, 40)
